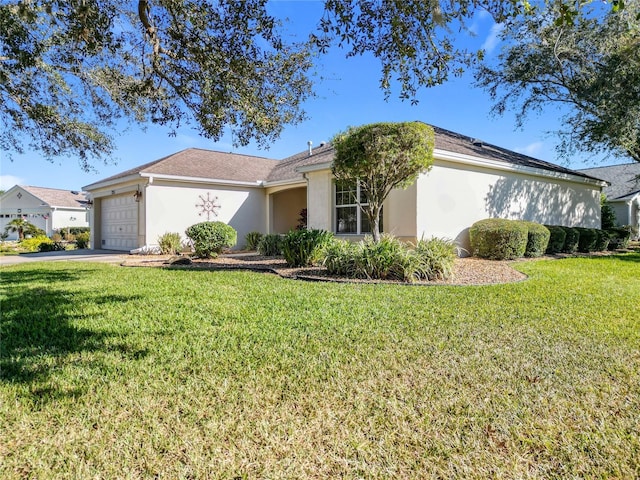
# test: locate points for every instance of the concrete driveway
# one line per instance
(109, 256)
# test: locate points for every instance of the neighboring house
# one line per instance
(623, 193)
(47, 208)
(469, 181)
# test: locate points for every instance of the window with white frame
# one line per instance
(349, 218)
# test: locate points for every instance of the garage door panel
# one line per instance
(119, 223)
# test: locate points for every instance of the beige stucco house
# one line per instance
(469, 181)
(623, 191)
(47, 208)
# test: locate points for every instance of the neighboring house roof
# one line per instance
(54, 197)
(206, 164)
(624, 180)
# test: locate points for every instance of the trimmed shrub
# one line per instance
(571, 240)
(252, 239)
(52, 247)
(537, 239)
(82, 240)
(557, 238)
(603, 240)
(170, 243)
(498, 239)
(33, 244)
(270, 245)
(66, 231)
(618, 238)
(303, 248)
(210, 238)
(437, 256)
(587, 240)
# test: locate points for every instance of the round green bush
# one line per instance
(210, 238)
(588, 239)
(537, 239)
(557, 238)
(498, 239)
(571, 240)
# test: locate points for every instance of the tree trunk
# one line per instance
(374, 220)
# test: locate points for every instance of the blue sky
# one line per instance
(348, 95)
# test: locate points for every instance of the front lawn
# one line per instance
(111, 372)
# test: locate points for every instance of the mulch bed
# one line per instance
(467, 271)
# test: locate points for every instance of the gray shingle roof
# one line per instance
(458, 143)
(209, 164)
(286, 169)
(57, 198)
(444, 140)
(206, 164)
(624, 179)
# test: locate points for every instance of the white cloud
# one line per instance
(532, 149)
(8, 181)
(492, 40)
(478, 18)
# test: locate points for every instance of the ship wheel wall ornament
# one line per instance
(209, 206)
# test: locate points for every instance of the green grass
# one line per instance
(111, 372)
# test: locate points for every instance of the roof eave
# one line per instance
(509, 167)
(314, 167)
(282, 183)
(217, 181)
(109, 183)
(66, 207)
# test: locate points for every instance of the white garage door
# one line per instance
(119, 223)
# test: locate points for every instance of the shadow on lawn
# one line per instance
(629, 257)
(40, 335)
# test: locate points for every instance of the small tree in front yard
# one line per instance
(22, 228)
(607, 214)
(381, 157)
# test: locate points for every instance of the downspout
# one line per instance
(306, 178)
(142, 216)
